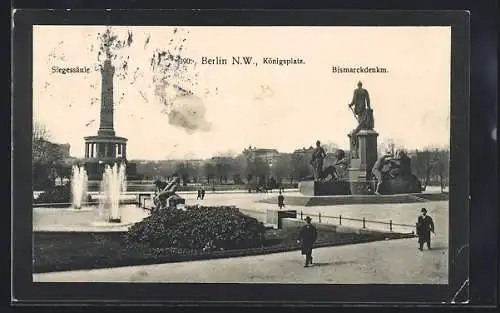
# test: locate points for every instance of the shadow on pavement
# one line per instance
(321, 264)
(332, 263)
(437, 248)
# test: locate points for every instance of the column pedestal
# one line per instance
(360, 167)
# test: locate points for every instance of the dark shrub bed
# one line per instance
(58, 194)
(200, 228)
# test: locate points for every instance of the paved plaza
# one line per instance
(383, 262)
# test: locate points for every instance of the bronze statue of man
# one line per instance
(318, 156)
(360, 106)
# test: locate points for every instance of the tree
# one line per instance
(431, 166)
(182, 170)
(209, 170)
(283, 167)
(239, 167)
(301, 166)
(46, 157)
(223, 168)
(259, 169)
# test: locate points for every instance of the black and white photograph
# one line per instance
(231, 154)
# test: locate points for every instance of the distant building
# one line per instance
(270, 156)
(195, 162)
(308, 152)
(304, 150)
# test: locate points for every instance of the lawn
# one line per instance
(63, 251)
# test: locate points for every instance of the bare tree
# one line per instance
(39, 144)
(46, 157)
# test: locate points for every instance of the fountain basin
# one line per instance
(87, 219)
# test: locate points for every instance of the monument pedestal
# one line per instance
(324, 188)
(362, 162)
(95, 168)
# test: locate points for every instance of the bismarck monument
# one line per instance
(364, 173)
(363, 141)
(106, 148)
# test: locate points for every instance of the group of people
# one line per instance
(308, 235)
(201, 194)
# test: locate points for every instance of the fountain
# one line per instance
(78, 186)
(112, 185)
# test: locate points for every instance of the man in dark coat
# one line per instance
(425, 225)
(281, 201)
(307, 236)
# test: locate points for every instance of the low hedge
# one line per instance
(203, 228)
(64, 251)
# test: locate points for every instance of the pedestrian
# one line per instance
(202, 193)
(307, 236)
(199, 194)
(425, 226)
(281, 201)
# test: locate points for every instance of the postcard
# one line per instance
(235, 154)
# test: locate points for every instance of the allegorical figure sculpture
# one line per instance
(341, 165)
(380, 169)
(317, 159)
(164, 191)
(395, 170)
(360, 106)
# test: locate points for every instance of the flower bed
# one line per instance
(205, 228)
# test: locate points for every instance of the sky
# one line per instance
(234, 106)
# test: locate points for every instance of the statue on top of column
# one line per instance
(360, 106)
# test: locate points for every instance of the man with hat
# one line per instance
(425, 225)
(307, 236)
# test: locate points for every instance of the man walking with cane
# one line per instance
(307, 236)
(425, 226)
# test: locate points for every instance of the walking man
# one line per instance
(202, 193)
(307, 236)
(425, 225)
(281, 201)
